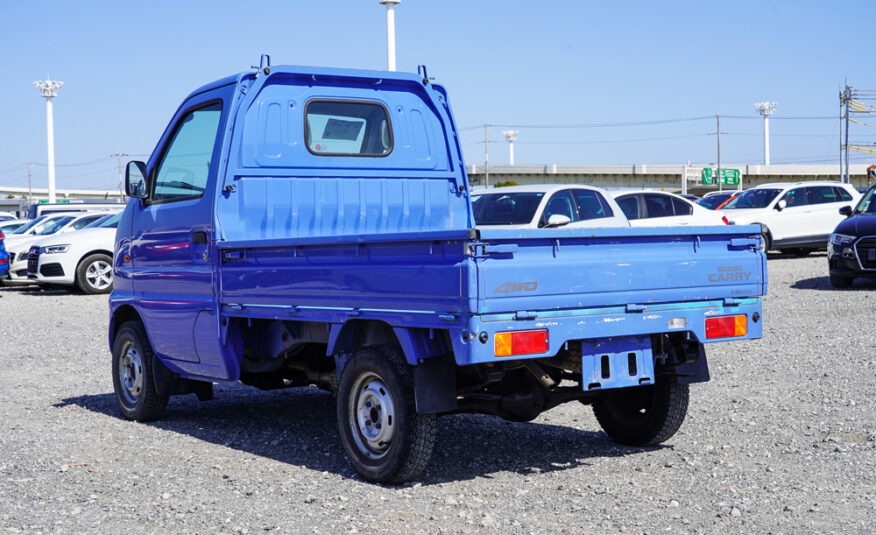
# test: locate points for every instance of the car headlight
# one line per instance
(841, 239)
(55, 249)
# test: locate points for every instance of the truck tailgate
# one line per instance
(553, 269)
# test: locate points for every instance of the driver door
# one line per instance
(171, 248)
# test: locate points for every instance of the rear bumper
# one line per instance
(472, 346)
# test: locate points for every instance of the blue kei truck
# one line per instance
(302, 226)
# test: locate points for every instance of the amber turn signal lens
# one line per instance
(512, 343)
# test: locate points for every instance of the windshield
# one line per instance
(110, 221)
(52, 225)
(712, 201)
(29, 225)
(867, 205)
(753, 198)
(505, 208)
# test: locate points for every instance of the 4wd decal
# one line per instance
(729, 273)
(515, 287)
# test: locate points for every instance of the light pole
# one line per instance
(766, 109)
(119, 156)
(49, 90)
(511, 136)
(390, 32)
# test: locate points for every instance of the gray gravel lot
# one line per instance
(782, 440)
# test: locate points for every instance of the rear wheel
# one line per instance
(643, 415)
(840, 282)
(95, 274)
(383, 436)
(133, 374)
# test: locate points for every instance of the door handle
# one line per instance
(199, 237)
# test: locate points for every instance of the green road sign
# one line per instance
(729, 177)
(707, 176)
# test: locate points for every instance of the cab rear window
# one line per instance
(347, 128)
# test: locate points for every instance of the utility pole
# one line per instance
(49, 90)
(487, 155)
(766, 109)
(119, 156)
(718, 172)
(390, 32)
(847, 95)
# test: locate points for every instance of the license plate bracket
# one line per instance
(616, 362)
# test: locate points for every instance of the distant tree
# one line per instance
(10, 196)
(505, 184)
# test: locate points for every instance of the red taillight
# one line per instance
(725, 220)
(727, 326)
(2, 235)
(4, 261)
(521, 343)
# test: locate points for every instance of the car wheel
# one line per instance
(840, 282)
(766, 241)
(95, 274)
(643, 415)
(384, 438)
(134, 374)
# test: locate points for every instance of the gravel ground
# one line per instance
(782, 440)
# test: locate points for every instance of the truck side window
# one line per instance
(347, 128)
(183, 171)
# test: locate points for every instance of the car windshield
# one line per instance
(505, 208)
(867, 205)
(110, 221)
(29, 225)
(52, 226)
(753, 198)
(712, 201)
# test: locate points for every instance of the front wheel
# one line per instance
(384, 438)
(95, 274)
(133, 375)
(643, 415)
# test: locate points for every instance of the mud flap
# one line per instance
(435, 385)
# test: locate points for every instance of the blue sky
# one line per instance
(127, 65)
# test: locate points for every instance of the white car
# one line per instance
(660, 209)
(83, 258)
(795, 218)
(546, 206)
(18, 245)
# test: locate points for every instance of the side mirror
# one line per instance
(846, 211)
(781, 205)
(136, 185)
(558, 220)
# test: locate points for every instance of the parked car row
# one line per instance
(851, 249)
(66, 249)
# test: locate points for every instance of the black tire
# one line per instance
(766, 239)
(384, 438)
(133, 375)
(840, 282)
(95, 274)
(643, 415)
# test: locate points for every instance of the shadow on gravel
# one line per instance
(823, 283)
(38, 290)
(788, 256)
(298, 427)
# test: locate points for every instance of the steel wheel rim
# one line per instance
(99, 275)
(372, 417)
(131, 373)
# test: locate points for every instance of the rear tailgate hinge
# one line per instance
(743, 243)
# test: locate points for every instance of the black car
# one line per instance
(851, 251)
